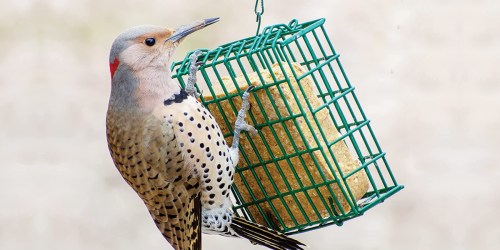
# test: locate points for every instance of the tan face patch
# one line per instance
(160, 37)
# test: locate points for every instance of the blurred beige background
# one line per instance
(426, 74)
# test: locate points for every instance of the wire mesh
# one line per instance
(297, 174)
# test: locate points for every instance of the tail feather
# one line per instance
(264, 236)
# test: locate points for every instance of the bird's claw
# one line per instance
(245, 98)
(244, 126)
(240, 123)
(195, 54)
(193, 67)
(245, 106)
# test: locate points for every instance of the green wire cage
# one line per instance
(315, 160)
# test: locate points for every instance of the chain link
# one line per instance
(259, 13)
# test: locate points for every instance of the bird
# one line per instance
(169, 148)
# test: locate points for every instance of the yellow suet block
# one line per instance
(273, 100)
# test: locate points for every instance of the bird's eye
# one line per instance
(150, 41)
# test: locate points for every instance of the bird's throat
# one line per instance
(155, 86)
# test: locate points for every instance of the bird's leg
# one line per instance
(193, 67)
(241, 124)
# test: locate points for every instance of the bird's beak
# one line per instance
(185, 30)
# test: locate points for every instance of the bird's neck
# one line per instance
(144, 90)
(154, 81)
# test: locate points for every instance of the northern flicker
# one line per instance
(168, 147)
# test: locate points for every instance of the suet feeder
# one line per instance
(315, 160)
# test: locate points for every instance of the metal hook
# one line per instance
(259, 13)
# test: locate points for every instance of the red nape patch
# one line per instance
(113, 66)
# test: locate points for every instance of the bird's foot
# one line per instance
(241, 124)
(193, 67)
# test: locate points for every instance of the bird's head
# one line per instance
(150, 46)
